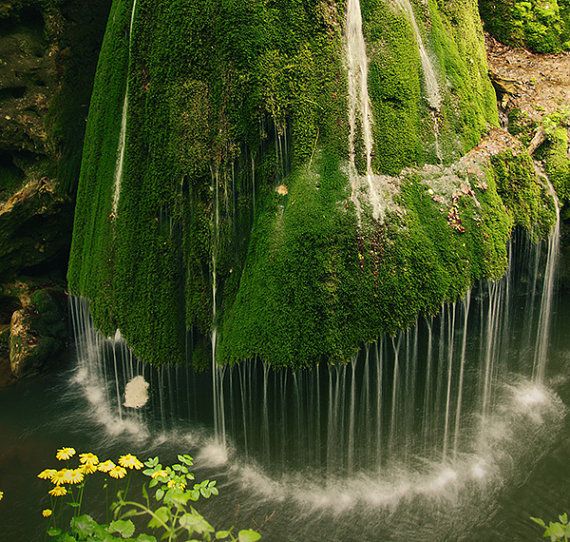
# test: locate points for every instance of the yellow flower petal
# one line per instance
(106, 466)
(47, 513)
(60, 477)
(117, 472)
(63, 454)
(47, 474)
(88, 468)
(1, 495)
(129, 461)
(88, 459)
(74, 476)
(58, 491)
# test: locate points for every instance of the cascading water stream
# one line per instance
(217, 371)
(359, 108)
(368, 410)
(119, 166)
(546, 305)
(439, 409)
(433, 92)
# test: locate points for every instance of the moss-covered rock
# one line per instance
(526, 198)
(33, 327)
(556, 153)
(214, 192)
(540, 25)
(315, 287)
(6, 376)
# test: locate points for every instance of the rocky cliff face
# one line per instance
(48, 52)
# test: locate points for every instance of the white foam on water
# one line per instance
(525, 417)
(213, 454)
(102, 413)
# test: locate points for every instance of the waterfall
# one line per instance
(378, 188)
(546, 304)
(217, 371)
(413, 414)
(433, 92)
(359, 108)
(119, 166)
(427, 394)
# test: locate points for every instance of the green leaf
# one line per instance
(145, 538)
(555, 531)
(249, 536)
(152, 462)
(563, 518)
(52, 531)
(162, 513)
(84, 526)
(195, 522)
(125, 528)
(159, 494)
(220, 535)
(186, 459)
(538, 521)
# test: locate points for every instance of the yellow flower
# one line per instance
(1, 495)
(130, 462)
(60, 477)
(74, 476)
(46, 474)
(106, 466)
(88, 468)
(117, 472)
(64, 454)
(171, 484)
(88, 459)
(58, 491)
(46, 513)
(159, 474)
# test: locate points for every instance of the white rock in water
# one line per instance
(136, 393)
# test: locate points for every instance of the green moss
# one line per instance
(521, 125)
(469, 106)
(219, 111)
(228, 100)
(555, 153)
(527, 198)
(540, 25)
(314, 289)
(395, 87)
